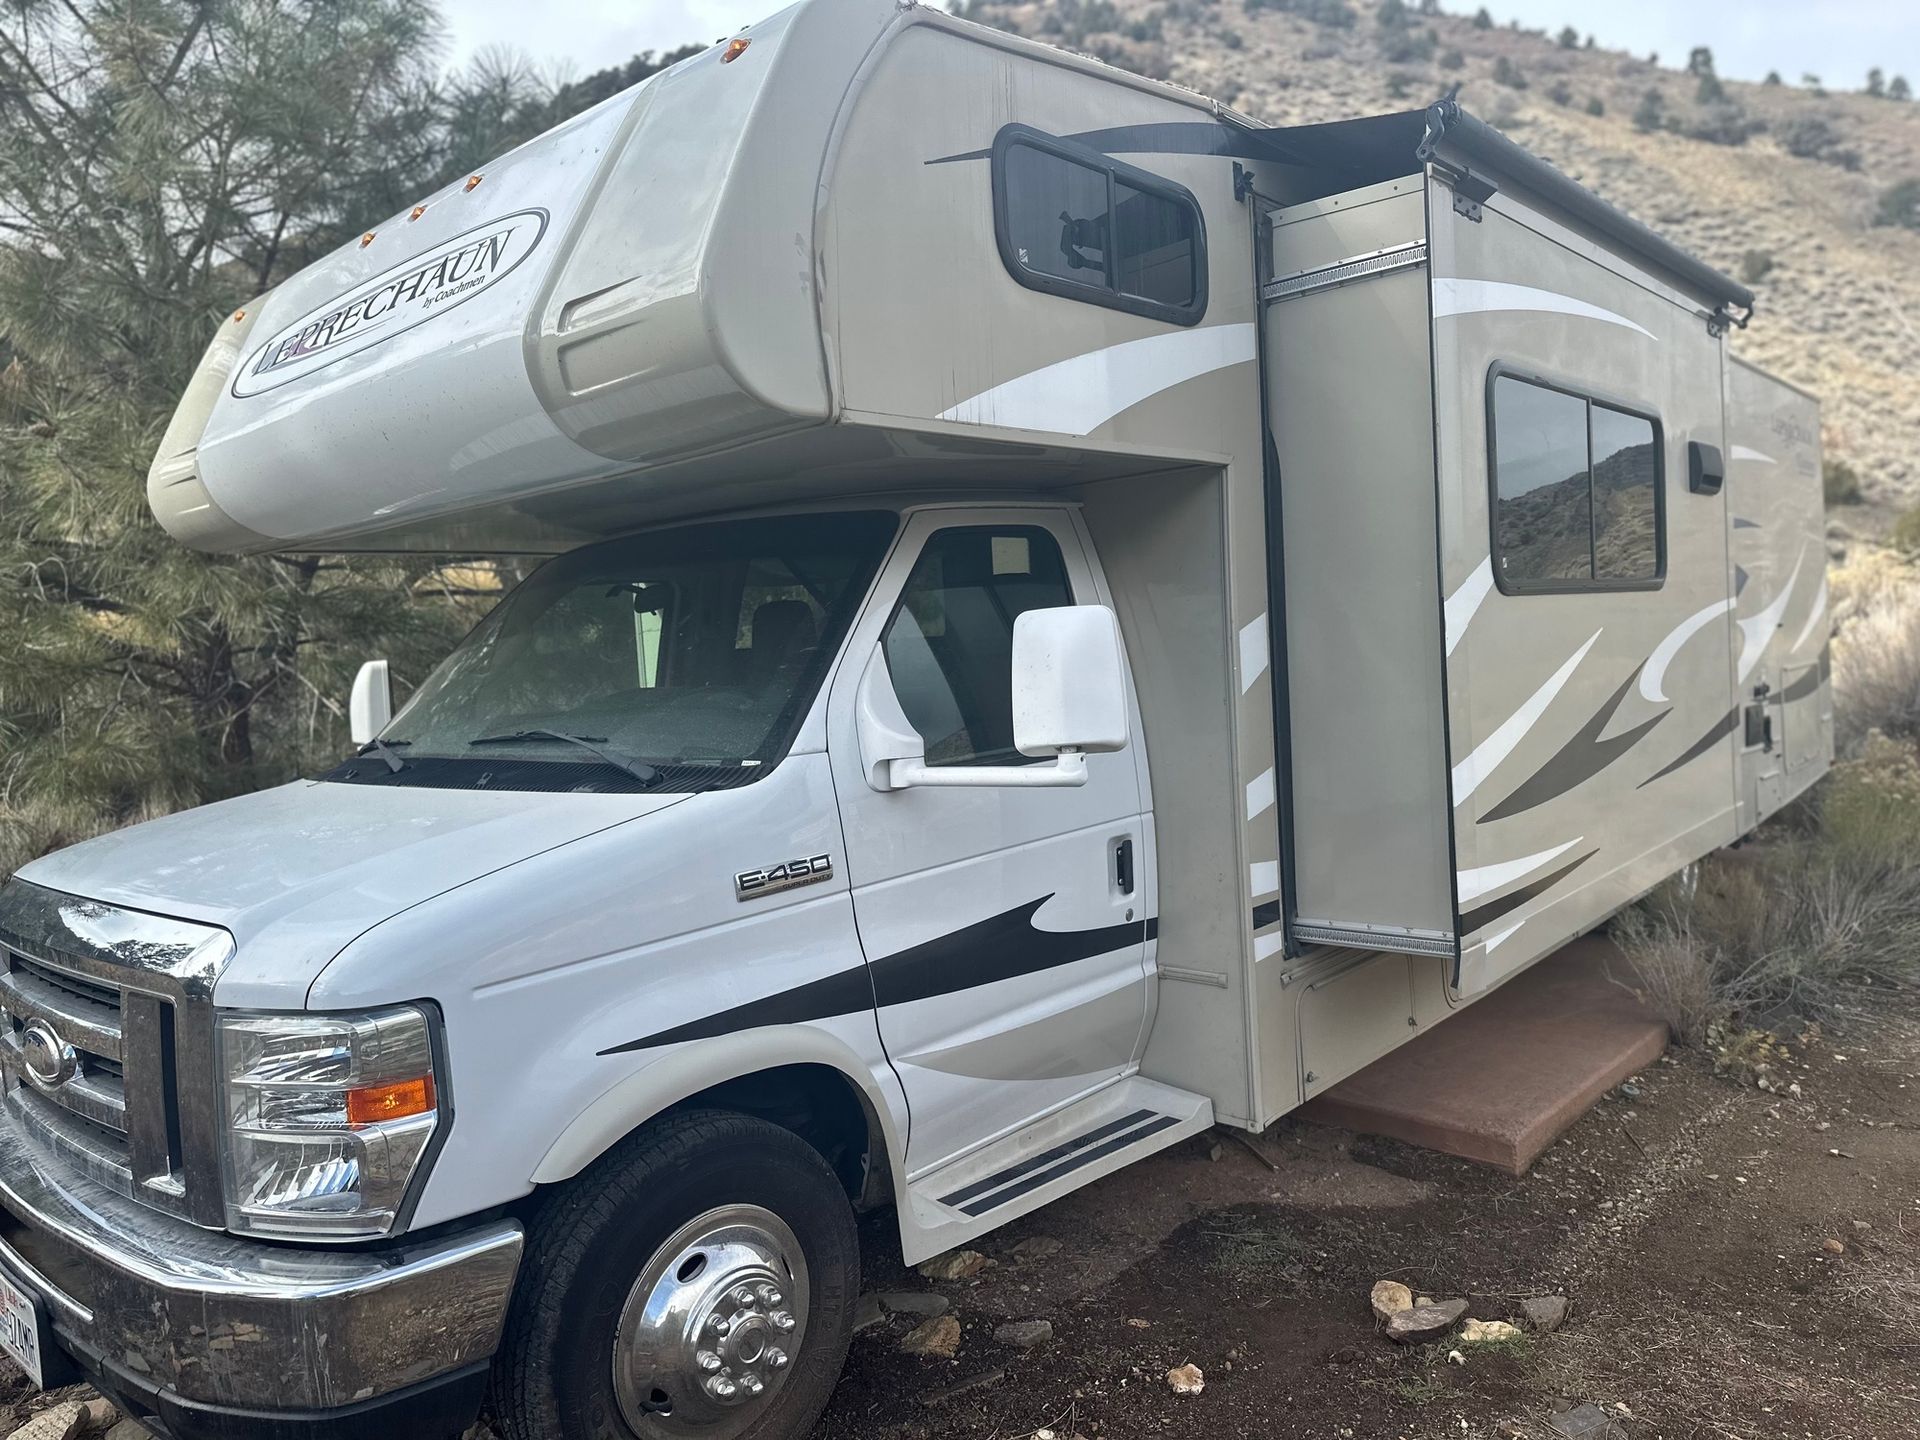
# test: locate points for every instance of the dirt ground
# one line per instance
(1692, 1226)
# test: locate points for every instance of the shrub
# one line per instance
(1506, 73)
(1651, 113)
(1404, 47)
(1452, 60)
(1569, 38)
(1839, 484)
(1720, 124)
(1870, 812)
(1231, 39)
(1906, 534)
(1785, 927)
(1812, 137)
(1900, 205)
(1876, 655)
(1399, 84)
(1596, 106)
(1773, 78)
(1755, 266)
(1898, 89)
(1560, 93)
(1482, 20)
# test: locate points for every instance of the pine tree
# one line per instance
(167, 160)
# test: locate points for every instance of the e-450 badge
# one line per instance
(752, 884)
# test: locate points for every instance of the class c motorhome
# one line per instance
(1068, 618)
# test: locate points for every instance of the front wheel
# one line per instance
(698, 1281)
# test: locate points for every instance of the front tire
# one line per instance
(697, 1281)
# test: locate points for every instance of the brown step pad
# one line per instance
(1503, 1079)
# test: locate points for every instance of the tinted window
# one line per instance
(1626, 474)
(1073, 222)
(1576, 490)
(1544, 516)
(1057, 217)
(950, 646)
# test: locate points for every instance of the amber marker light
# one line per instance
(366, 239)
(399, 1100)
(735, 49)
(473, 180)
(238, 316)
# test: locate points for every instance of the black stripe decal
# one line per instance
(1722, 728)
(1067, 1167)
(1267, 914)
(1805, 685)
(1165, 137)
(1045, 1157)
(1476, 920)
(1002, 947)
(1580, 759)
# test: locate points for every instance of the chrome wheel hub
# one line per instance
(711, 1327)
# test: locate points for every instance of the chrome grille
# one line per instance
(131, 995)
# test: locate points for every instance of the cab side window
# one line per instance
(949, 647)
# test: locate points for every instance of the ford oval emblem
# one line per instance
(51, 1062)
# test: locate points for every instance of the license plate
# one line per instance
(21, 1333)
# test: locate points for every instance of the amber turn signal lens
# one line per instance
(418, 211)
(474, 180)
(366, 239)
(735, 49)
(401, 1100)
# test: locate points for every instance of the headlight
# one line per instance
(328, 1117)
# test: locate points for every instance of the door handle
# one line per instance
(1123, 865)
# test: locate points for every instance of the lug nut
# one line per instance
(718, 1325)
(776, 1358)
(720, 1387)
(753, 1384)
(780, 1320)
(707, 1361)
(770, 1296)
(743, 1297)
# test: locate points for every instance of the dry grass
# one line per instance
(1884, 1281)
(1876, 652)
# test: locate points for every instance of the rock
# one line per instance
(129, 1430)
(97, 1416)
(1454, 1357)
(1545, 1313)
(1631, 1091)
(1833, 1247)
(1390, 1297)
(1137, 1323)
(937, 1339)
(1186, 1379)
(56, 1422)
(1035, 1247)
(1424, 1322)
(1024, 1334)
(955, 1265)
(1587, 1422)
(1488, 1332)
(867, 1313)
(925, 1303)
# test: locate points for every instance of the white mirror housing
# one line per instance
(371, 707)
(1069, 681)
(1069, 699)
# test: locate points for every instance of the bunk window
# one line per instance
(1072, 222)
(1577, 498)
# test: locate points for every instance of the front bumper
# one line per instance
(219, 1337)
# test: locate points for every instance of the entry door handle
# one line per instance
(1123, 865)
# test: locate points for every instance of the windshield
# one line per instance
(682, 649)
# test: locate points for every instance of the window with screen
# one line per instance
(949, 647)
(1070, 221)
(1577, 494)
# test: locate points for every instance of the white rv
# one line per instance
(1073, 618)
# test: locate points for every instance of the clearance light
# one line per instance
(418, 211)
(401, 1100)
(735, 50)
(474, 180)
(238, 316)
(366, 239)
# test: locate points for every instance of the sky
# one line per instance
(1837, 40)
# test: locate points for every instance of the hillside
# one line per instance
(1839, 299)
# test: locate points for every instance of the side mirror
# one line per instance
(372, 704)
(1069, 699)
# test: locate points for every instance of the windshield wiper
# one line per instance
(639, 769)
(387, 751)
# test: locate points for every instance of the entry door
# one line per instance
(1005, 928)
